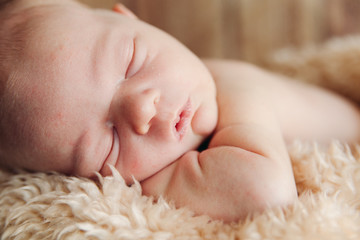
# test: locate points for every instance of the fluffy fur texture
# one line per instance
(333, 65)
(54, 206)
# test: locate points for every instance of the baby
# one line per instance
(82, 90)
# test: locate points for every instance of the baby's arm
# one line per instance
(225, 183)
(246, 167)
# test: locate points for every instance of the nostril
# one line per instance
(146, 110)
(143, 129)
(153, 94)
(156, 99)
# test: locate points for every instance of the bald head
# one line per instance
(19, 20)
(23, 23)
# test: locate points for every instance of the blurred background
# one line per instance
(249, 30)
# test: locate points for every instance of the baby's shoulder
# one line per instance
(220, 68)
(233, 75)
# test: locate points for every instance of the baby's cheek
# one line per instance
(205, 119)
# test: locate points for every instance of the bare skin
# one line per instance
(246, 168)
(118, 92)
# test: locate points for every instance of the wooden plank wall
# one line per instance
(248, 29)
(99, 3)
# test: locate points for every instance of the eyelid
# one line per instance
(131, 63)
(114, 151)
(116, 139)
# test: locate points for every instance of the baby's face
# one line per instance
(96, 87)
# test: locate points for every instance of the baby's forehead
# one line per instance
(27, 39)
(36, 30)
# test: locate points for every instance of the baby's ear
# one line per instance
(120, 8)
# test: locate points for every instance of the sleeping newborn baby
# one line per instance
(82, 90)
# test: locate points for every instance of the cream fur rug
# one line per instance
(53, 206)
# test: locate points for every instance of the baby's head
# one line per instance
(82, 88)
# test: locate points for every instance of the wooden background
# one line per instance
(246, 29)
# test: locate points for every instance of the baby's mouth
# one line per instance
(182, 121)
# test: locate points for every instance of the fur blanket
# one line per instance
(54, 206)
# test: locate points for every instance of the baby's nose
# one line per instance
(144, 109)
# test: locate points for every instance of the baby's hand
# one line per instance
(226, 183)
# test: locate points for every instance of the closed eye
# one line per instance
(139, 57)
(129, 70)
(114, 152)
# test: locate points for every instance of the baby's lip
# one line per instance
(182, 120)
